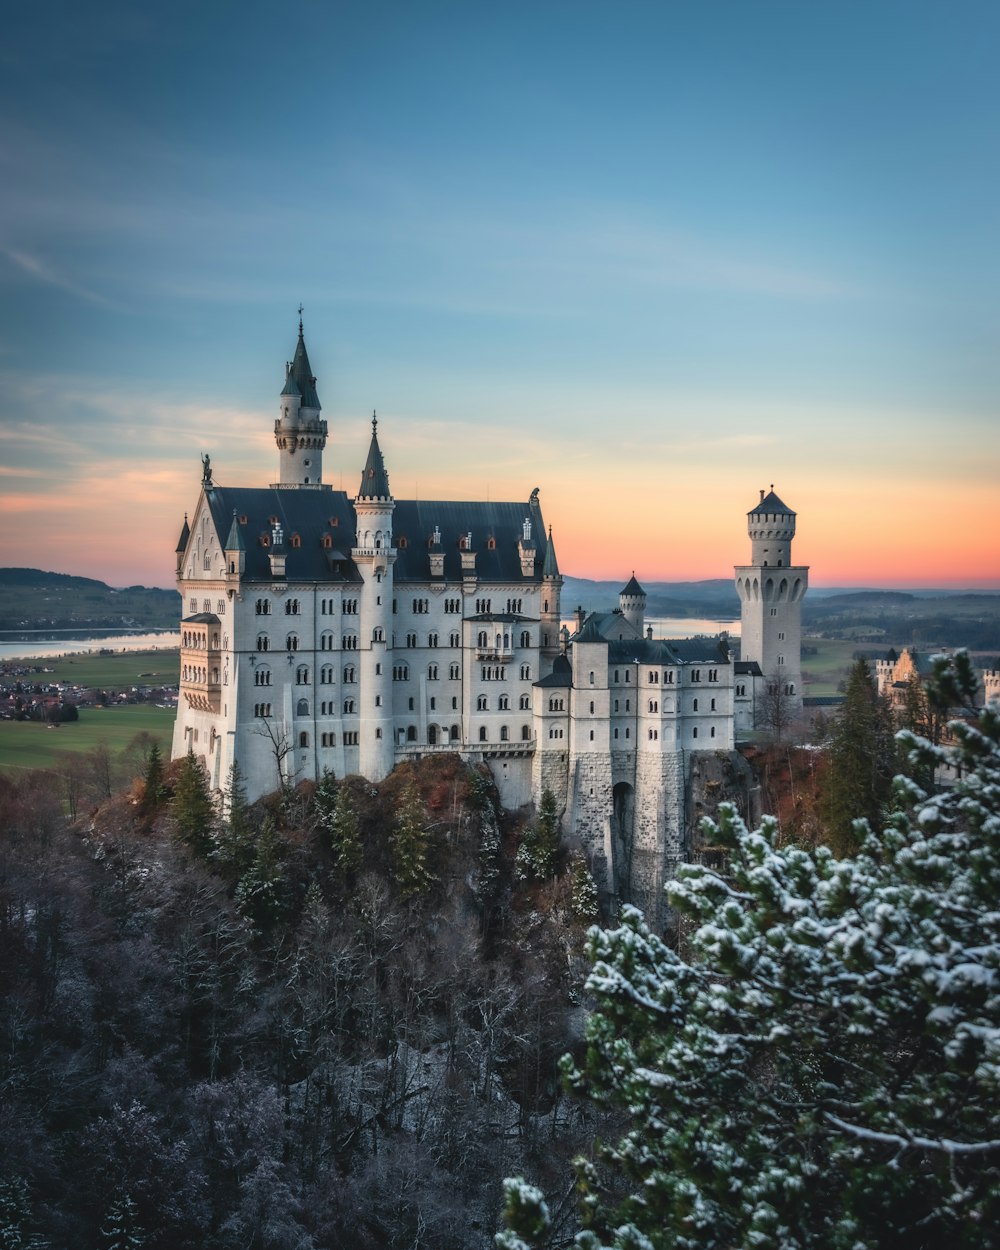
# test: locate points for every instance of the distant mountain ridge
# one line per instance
(35, 599)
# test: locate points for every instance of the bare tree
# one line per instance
(776, 708)
(281, 748)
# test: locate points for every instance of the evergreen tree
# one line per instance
(338, 818)
(153, 790)
(410, 846)
(121, 1230)
(861, 761)
(536, 856)
(584, 892)
(234, 844)
(264, 893)
(15, 1212)
(823, 1074)
(193, 812)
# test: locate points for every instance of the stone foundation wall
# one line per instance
(658, 829)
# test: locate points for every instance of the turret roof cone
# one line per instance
(374, 479)
(301, 374)
(550, 566)
(182, 542)
(235, 540)
(771, 503)
(633, 587)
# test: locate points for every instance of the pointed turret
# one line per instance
(300, 431)
(374, 478)
(235, 549)
(632, 602)
(374, 556)
(551, 596)
(550, 565)
(182, 544)
(300, 372)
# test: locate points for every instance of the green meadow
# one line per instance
(115, 672)
(28, 744)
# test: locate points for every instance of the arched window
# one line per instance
(262, 642)
(411, 733)
(432, 734)
(302, 707)
(525, 733)
(524, 702)
(454, 733)
(504, 733)
(481, 703)
(292, 642)
(302, 675)
(303, 739)
(326, 675)
(482, 733)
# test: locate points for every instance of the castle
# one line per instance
(325, 632)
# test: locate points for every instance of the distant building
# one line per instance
(323, 632)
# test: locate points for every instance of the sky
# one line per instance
(649, 257)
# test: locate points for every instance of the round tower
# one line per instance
(374, 555)
(632, 602)
(771, 589)
(300, 432)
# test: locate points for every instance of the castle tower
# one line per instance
(771, 589)
(299, 431)
(632, 601)
(374, 555)
(550, 602)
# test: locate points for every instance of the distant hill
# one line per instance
(33, 599)
(927, 618)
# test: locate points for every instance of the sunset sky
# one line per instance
(649, 257)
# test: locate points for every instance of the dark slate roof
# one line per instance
(590, 631)
(415, 519)
(747, 668)
(662, 651)
(308, 514)
(302, 374)
(632, 587)
(182, 542)
(551, 566)
(235, 540)
(561, 675)
(201, 618)
(291, 386)
(771, 503)
(374, 479)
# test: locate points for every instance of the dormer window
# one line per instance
(296, 541)
(402, 543)
(265, 541)
(327, 541)
(491, 544)
(243, 519)
(334, 521)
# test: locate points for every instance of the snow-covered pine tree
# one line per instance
(825, 1070)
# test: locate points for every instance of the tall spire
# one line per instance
(374, 478)
(300, 372)
(550, 565)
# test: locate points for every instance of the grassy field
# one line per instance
(26, 744)
(824, 671)
(112, 672)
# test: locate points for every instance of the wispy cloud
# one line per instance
(45, 273)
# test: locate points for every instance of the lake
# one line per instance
(43, 642)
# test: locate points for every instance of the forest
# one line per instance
(384, 1016)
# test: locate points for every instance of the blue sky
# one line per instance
(656, 255)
